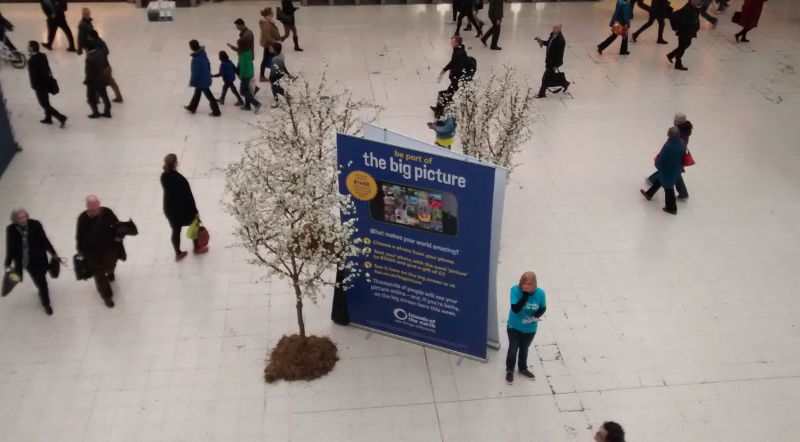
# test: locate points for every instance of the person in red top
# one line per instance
(751, 12)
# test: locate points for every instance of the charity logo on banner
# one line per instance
(425, 221)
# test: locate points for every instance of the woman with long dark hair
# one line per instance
(179, 205)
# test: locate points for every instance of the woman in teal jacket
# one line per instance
(527, 306)
(623, 14)
(669, 163)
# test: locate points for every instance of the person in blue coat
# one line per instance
(669, 163)
(201, 79)
(227, 71)
(623, 14)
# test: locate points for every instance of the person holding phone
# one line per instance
(527, 307)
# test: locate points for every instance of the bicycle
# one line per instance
(13, 56)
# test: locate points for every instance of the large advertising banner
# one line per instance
(426, 223)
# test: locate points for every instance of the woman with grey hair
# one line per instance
(26, 249)
(669, 163)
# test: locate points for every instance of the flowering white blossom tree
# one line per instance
(284, 194)
(495, 115)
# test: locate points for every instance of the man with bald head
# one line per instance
(99, 245)
(553, 60)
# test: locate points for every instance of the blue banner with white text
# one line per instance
(426, 224)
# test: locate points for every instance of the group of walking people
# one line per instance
(685, 22)
(99, 238)
(272, 59)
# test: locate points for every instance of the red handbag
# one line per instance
(688, 159)
(203, 237)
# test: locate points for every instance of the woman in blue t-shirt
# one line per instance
(527, 306)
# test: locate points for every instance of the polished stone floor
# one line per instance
(681, 328)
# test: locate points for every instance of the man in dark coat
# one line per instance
(456, 67)
(201, 80)
(553, 60)
(41, 82)
(84, 27)
(97, 80)
(94, 38)
(99, 245)
(54, 10)
(496, 16)
(26, 249)
(686, 23)
(669, 163)
(659, 11)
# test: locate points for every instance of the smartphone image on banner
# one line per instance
(414, 207)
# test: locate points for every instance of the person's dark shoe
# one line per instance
(189, 109)
(239, 104)
(117, 100)
(713, 22)
(625, 53)
(745, 40)
(255, 91)
(671, 212)
(62, 122)
(670, 57)
(109, 302)
(599, 50)
(298, 49)
(635, 37)
(111, 277)
(107, 115)
(567, 86)
(483, 40)
(46, 121)
(528, 374)
(662, 42)
(541, 95)
(180, 256)
(48, 310)
(683, 197)
(221, 102)
(510, 378)
(94, 115)
(215, 114)
(681, 67)
(47, 46)
(71, 50)
(644, 193)
(496, 48)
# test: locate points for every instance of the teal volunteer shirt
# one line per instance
(522, 321)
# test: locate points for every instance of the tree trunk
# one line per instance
(299, 306)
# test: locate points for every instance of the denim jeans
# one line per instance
(518, 344)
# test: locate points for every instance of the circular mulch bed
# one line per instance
(298, 359)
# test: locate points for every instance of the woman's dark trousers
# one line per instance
(176, 238)
(293, 29)
(267, 60)
(623, 47)
(669, 194)
(518, 344)
(470, 18)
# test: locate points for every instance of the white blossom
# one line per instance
(284, 194)
(495, 116)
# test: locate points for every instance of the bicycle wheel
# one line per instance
(18, 60)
